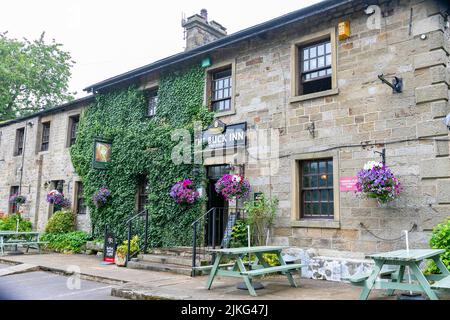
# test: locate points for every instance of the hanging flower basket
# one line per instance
(57, 199)
(100, 198)
(377, 181)
(233, 187)
(17, 199)
(183, 192)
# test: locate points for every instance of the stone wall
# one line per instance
(365, 113)
(39, 167)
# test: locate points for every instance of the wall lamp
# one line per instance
(396, 85)
(447, 121)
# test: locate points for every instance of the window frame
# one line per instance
(297, 219)
(44, 125)
(16, 145)
(143, 183)
(151, 93)
(70, 139)
(296, 68)
(79, 199)
(304, 190)
(12, 208)
(218, 67)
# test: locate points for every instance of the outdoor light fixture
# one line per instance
(396, 85)
(312, 129)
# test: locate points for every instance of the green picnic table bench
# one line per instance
(402, 259)
(12, 239)
(239, 270)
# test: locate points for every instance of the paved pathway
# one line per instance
(39, 285)
(142, 284)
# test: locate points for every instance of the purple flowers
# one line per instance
(233, 186)
(377, 181)
(183, 193)
(57, 198)
(17, 199)
(101, 197)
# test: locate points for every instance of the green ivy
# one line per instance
(440, 239)
(142, 146)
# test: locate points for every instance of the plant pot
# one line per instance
(120, 260)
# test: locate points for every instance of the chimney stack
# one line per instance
(200, 32)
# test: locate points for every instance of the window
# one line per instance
(20, 135)
(45, 136)
(13, 206)
(81, 206)
(221, 90)
(73, 127)
(315, 67)
(143, 189)
(152, 101)
(317, 195)
(57, 185)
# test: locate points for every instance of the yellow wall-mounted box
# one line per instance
(344, 30)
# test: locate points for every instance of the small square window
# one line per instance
(221, 87)
(152, 101)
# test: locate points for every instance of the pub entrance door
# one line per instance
(218, 203)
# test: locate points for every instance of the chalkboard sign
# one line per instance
(109, 251)
(229, 230)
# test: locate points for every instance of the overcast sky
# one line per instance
(109, 37)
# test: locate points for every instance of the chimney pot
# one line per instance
(204, 14)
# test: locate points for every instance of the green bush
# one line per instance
(61, 222)
(72, 242)
(9, 223)
(440, 239)
(134, 247)
(239, 234)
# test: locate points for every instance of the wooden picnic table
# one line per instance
(9, 238)
(403, 259)
(238, 268)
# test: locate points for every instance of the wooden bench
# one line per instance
(284, 269)
(442, 284)
(22, 243)
(359, 278)
(207, 269)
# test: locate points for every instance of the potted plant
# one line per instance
(183, 192)
(261, 214)
(233, 186)
(121, 251)
(377, 181)
(100, 198)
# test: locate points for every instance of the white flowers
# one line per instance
(372, 164)
(236, 178)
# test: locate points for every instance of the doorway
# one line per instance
(215, 230)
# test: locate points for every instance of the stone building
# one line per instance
(35, 159)
(309, 83)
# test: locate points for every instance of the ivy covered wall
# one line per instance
(142, 146)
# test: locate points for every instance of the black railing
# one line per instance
(208, 232)
(140, 230)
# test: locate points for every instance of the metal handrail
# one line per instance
(129, 225)
(198, 220)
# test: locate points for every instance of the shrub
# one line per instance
(72, 242)
(9, 223)
(134, 247)
(440, 239)
(61, 222)
(239, 234)
(261, 213)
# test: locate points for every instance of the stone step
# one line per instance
(173, 268)
(171, 259)
(177, 251)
